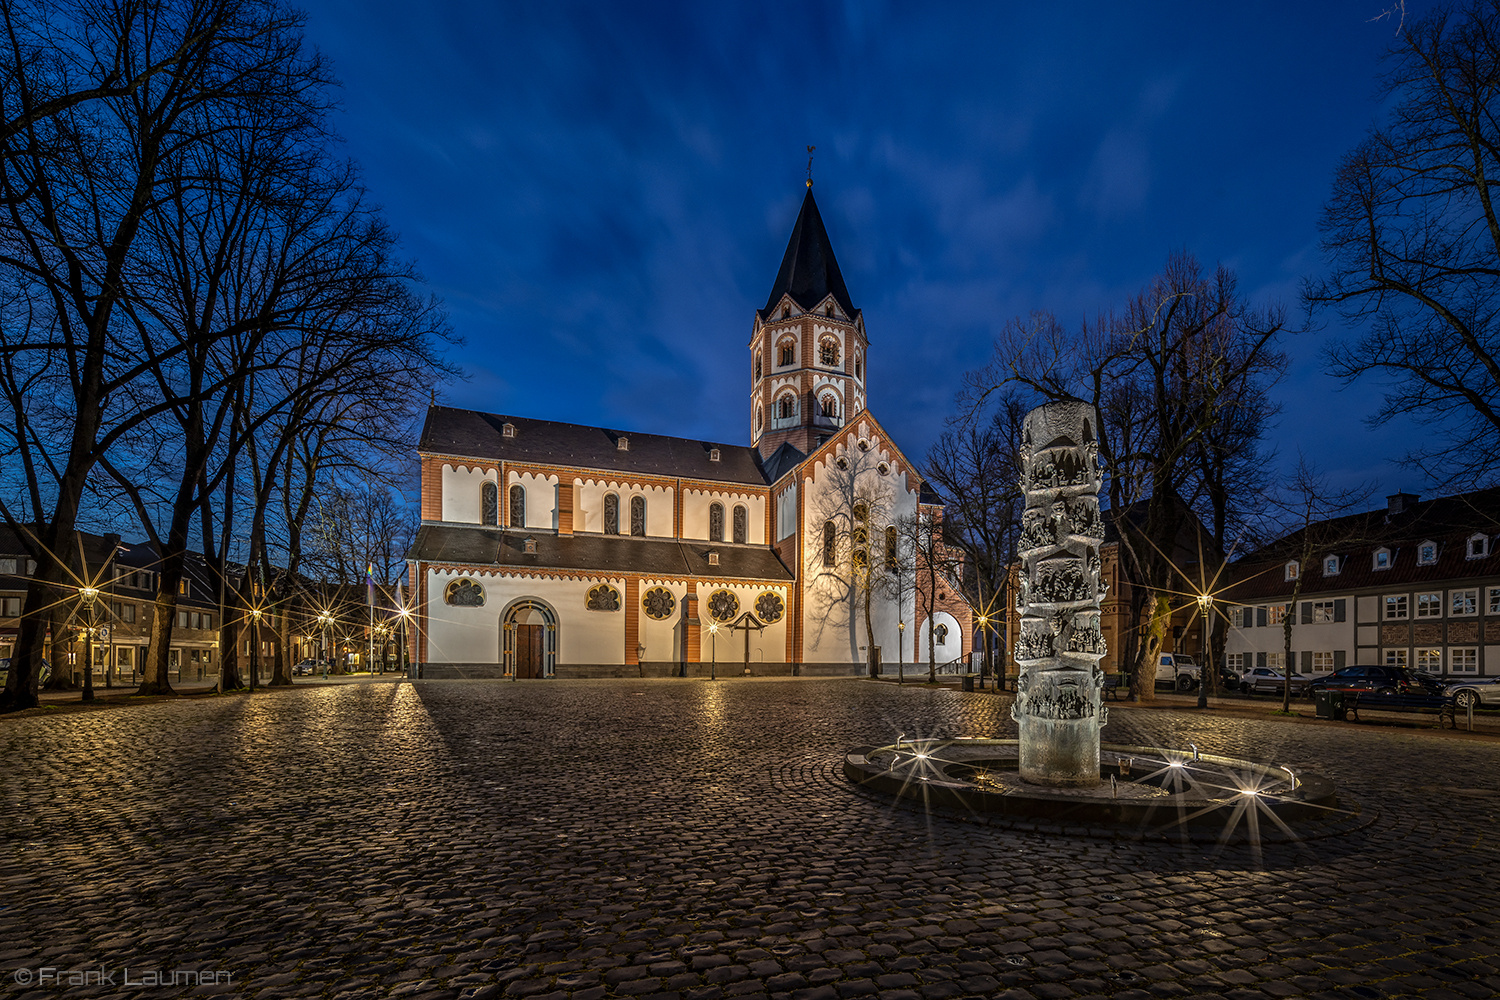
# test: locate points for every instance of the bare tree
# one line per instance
(1412, 234)
(934, 563)
(1161, 372)
(974, 467)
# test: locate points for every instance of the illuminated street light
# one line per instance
(1206, 605)
(901, 649)
(713, 638)
(88, 595)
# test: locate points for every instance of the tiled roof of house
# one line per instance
(597, 554)
(1400, 528)
(471, 434)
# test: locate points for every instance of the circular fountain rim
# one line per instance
(1312, 804)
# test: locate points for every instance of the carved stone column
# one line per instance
(1058, 704)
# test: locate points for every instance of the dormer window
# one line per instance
(529, 546)
(1292, 569)
(1382, 559)
(1427, 553)
(508, 430)
(1479, 546)
(713, 454)
(622, 443)
(713, 557)
(1330, 565)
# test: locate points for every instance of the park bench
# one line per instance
(1112, 686)
(1370, 701)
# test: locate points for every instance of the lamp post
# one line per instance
(713, 639)
(326, 621)
(901, 648)
(88, 595)
(254, 647)
(404, 615)
(984, 664)
(1205, 604)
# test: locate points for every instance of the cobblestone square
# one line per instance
(696, 840)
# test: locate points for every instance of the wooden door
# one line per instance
(528, 651)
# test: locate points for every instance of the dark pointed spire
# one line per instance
(809, 272)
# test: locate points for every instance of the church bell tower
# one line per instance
(807, 346)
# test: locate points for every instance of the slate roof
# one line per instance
(596, 554)
(471, 434)
(1447, 521)
(809, 272)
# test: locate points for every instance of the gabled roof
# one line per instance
(809, 272)
(1400, 528)
(597, 554)
(471, 434)
(782, 460)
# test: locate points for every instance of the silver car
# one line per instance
(1264, 680)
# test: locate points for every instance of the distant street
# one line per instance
(693, 839)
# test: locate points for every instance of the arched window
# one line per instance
(828, 351)
(785, 407)
(786, 352)
(518, 506)
(858, 368)
(611, 513)
(741, 523)
(890, 548)
(638, 516)
(716, 522)
(829, 545)
(941, 635)
(831, 406)
(860, 536)
(489, 503)
(757, 365)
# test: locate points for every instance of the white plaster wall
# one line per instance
(472, 635)
(834, 628)
(949, 650)
(786, 512)
(662, 639)
(766, 646)
(463, 635)
(589, 514)
(461, 501)
(541, 498)
(695, 504)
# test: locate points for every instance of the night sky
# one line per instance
(602, 192)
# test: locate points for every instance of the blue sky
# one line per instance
(601, 192)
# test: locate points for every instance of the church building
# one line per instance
(550, 549)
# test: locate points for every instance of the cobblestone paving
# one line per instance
(593, 839)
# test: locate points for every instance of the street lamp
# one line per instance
(405, 616)
(254, 647)
(1206, 605)
(88, 595)
(984, 664)
(713, 638)
(325, 620)
(901, 649)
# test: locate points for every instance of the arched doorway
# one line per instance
(528, 639)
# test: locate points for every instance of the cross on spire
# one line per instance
(809, 164)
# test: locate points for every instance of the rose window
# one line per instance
(768, 608)
(722, 606)
(658, 603)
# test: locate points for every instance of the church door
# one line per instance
(528, 651)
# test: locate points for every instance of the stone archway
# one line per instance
(528, 639)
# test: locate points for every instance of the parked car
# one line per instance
(1178, 671)
(305, 669)
(1480, 692)
(1381, 680)
(46, 673)
(1265, 680)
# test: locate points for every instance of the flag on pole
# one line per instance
(370, 585)
(400, 597)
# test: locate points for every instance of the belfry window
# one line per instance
(518, 506)
(757, 365)
(786, 352)
(611, 513)
(638, 516)
(831, 407)
(716, 522)
(784, 407)
(741, 524)
(489, 503)
(828, 352)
